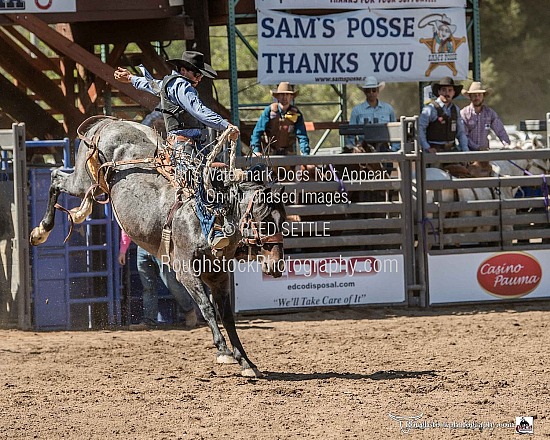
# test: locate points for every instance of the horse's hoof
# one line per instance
(38, 236)
(251, 372)
(225, 359)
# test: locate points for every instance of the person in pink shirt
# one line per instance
(150, 270)
(479, 118)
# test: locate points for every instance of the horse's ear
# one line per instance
(257, 173)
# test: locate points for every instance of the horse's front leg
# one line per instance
(40, 233)
(220, 293)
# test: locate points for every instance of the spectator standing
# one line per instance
(479, 118)
(150, 269)
(283, 122)
(372, 111)
(440, 123)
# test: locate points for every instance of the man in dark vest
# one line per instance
(440, 123)
(281, 124)
(185, 115)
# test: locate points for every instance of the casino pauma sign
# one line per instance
(509, 274)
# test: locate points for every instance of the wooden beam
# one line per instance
(219, 12)
(20, 107)
(112, 32)
(5, 120)
(310, 126)
(327, 125)
(42, 61)
(153, 60)
(98, 86)
(37, 81)
(63, 45)
(198, 10)
(224, 74)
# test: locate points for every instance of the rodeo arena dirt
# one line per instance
(460, 372)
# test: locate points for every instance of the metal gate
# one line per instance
(492, 247)
(357, 250)
(75, 284)
(448, 249)
(15, 291)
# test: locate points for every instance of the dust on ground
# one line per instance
(327, 375)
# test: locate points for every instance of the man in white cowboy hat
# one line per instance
(372, 111)
(480, 118)
(280, 125)
(440, 123)
(185, 115)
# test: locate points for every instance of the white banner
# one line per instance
(322, 282)
(37, 6)
(392, 45)
(488, 276)
(357, 4)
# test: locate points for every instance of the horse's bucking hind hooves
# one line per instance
(141, 199)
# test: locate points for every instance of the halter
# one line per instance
(247, 222)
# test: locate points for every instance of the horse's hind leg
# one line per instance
(80, 213)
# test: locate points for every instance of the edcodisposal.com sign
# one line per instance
(322, 282)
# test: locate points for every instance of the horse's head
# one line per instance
(262, 215)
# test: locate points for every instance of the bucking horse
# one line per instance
(117, 159)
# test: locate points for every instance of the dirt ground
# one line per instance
(328, 375)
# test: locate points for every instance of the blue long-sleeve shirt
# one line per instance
(181, 92)
(429, 114)
(364, 113)
(299, 130)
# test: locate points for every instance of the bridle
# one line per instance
(251, 235)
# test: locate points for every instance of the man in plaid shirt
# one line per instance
(479, 119)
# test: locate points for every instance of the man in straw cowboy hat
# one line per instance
(480, 118)
(281, 124)
(185, 115)
(372, 111)
(440, 123)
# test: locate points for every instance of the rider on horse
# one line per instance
(185, 115)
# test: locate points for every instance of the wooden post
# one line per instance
(198, 11)
(21, 196)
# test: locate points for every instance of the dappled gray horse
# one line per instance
(141, 199)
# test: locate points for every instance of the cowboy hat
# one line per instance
(285, 88)
(476, 87)
(372, 83)
(194, 60)
(446, 81)
(445, 21)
